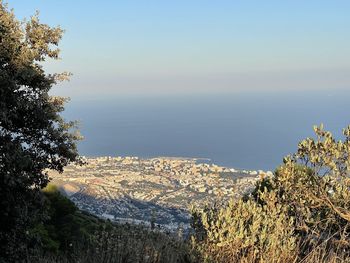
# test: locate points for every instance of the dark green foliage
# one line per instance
(33, 136)
(70, 235)
(65, 224)
(46, 234)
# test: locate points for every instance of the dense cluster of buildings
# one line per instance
(157, 191)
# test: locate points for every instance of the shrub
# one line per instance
(246, 229)
(302, 213)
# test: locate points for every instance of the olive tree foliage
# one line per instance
(290, 216)
(315, 182)
(33, 136)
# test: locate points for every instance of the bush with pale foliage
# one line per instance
(301, 214)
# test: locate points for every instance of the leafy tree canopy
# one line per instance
(33, 135)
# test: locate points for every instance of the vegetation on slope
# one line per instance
(71, 235)
(301, 214)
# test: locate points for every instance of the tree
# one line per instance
(33, 136)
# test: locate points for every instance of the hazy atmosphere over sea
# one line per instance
(245, 130)
(239, 82)
(182, 131)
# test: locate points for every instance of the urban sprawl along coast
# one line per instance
(157, 192)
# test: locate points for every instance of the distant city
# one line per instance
(156, 192)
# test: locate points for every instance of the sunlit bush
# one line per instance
(301, 213)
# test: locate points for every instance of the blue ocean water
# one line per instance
(244, 130)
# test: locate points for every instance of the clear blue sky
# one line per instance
(117, 47)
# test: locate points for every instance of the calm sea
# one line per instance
(245, 130)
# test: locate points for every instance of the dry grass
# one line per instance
(122, 244)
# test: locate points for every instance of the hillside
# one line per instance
(159, 191)
(72, 235)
